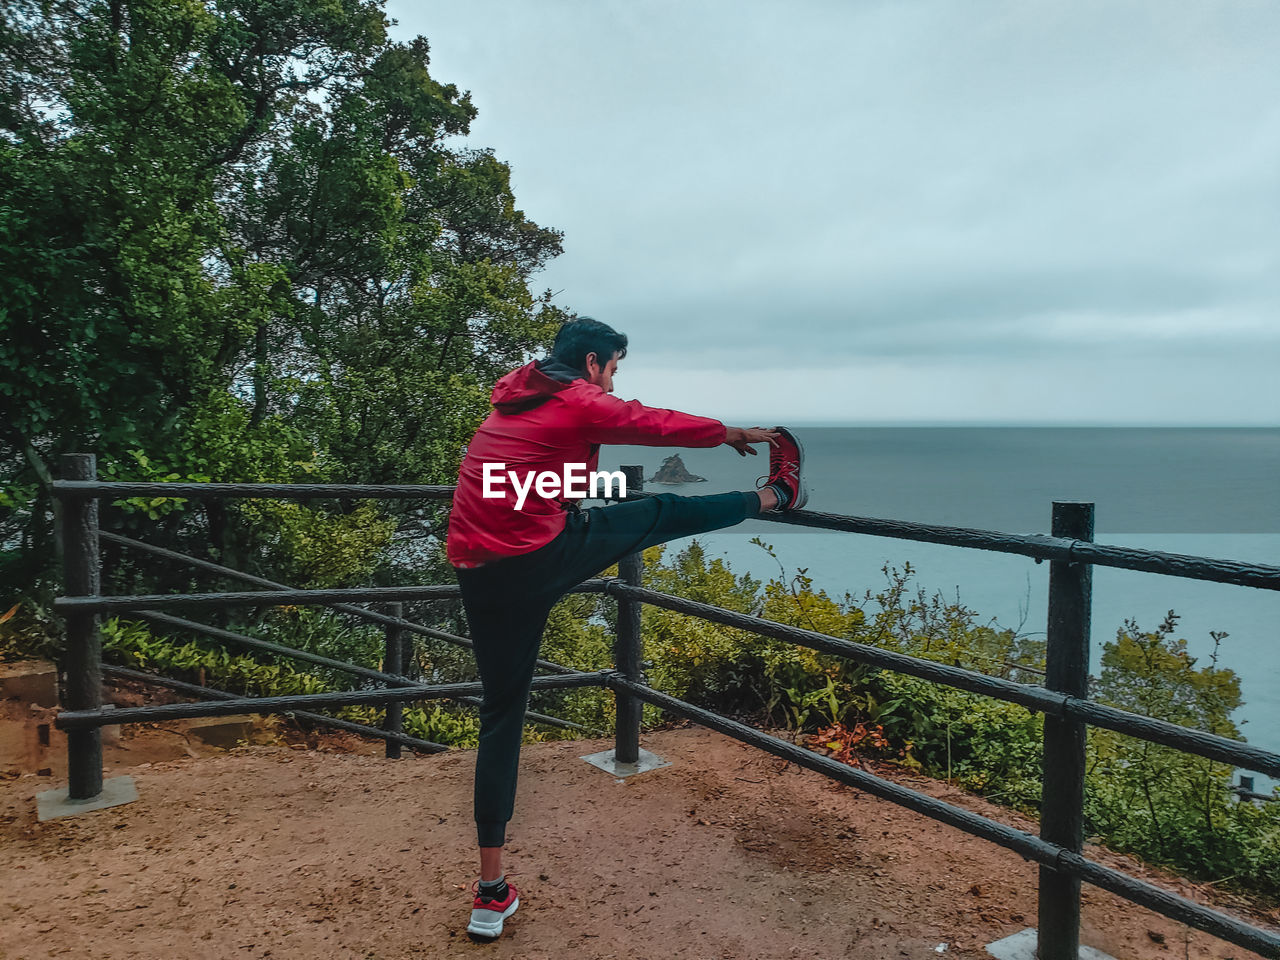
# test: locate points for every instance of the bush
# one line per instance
(1166, 806)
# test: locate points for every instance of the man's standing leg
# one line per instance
(506, 624)
(506, 631)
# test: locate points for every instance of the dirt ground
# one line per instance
(277, 849)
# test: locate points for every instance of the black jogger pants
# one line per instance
(507, 603)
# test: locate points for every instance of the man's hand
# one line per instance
(741, 438)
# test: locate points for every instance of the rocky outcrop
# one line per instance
(673, 470)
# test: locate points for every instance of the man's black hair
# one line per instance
(577, 338)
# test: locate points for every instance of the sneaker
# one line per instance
(786, 470)
(487, 915)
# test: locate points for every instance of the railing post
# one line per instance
(1066, 671)
(82, 658)
(393, 663)
(627, 646)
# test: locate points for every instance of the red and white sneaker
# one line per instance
(786, 470)
(487, 915)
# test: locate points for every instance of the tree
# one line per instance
(236, 244)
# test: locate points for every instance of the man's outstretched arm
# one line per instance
(610, 420)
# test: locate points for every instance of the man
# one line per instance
(518, 545)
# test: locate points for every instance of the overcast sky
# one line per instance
(1062, 212)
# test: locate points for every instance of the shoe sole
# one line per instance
(491, 928)
(802, 493)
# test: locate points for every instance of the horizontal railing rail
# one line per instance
(355, 670)
(1253, 795)
(1042, 547)
(398, 623)
(372, 616)
(88, 719)
(1036, 546)
(77, 489)
(74, 492)
(269, 598)
(209, 693)
(1032, 697)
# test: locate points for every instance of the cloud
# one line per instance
(747, 184)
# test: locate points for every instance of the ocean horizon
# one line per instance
(1203, 491)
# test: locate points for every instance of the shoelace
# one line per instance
(786, 471)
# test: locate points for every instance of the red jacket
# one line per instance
(540, 424)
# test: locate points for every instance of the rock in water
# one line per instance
(673, 470)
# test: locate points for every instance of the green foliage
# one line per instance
(132, 644)
(326, 634)
(1169, 807)
(236, 244)
(28, 630)
(691, 657)
(578, 636)
(985, 745)
(439, 723)
(315, 549)
(1164, 805)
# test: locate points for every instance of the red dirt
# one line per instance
(279, 851)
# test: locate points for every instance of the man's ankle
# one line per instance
(767, 499)
(773, 498)
(780, 492)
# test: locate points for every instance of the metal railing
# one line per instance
(1063, 698)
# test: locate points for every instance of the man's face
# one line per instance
(602, 377)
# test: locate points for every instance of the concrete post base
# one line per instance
(1022, 946)
(56, 803)
(607, 762)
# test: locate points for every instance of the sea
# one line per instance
(1204, 491)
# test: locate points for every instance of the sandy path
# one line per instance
(267, 851)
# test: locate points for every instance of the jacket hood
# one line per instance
(526, 387)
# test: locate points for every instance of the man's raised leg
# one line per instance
(620, 529)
